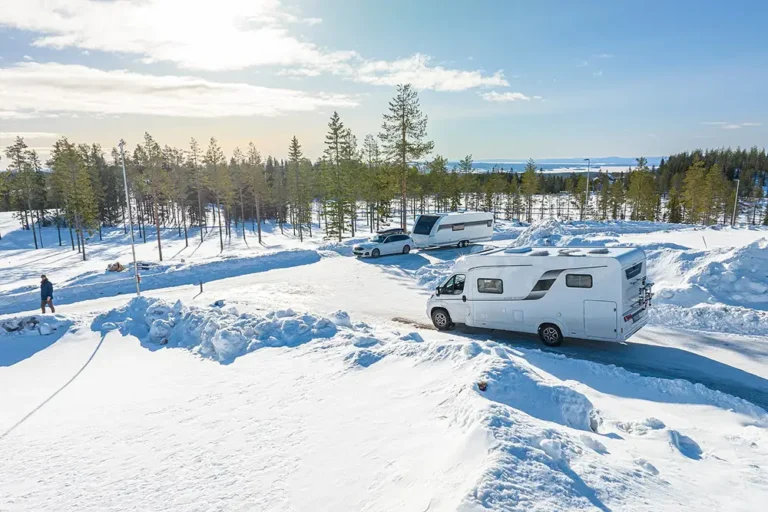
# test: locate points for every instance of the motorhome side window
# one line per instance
(490, 286)
(634, 270)
(578, 281)
(458, 227)
(425, 224)
(455, 285)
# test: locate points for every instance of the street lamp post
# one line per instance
(735, 204)
(130, 218)
(586, 197)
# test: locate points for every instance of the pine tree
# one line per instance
(258, 182)
(218, 180)
(198, 182)
(297, 190)
(675, 212)
(617, 199)
(695, 194)
(240, 177)
(21, 183)
(403, 137)
(149, 159)
(529, 188)
(72, 179)
(465, 166)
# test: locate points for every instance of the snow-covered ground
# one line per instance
(304, 379)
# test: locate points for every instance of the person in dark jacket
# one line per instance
(46, 293)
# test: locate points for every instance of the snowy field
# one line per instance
(301, 378)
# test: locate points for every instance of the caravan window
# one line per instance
(578, 281)
(490, 286)
(425, 224)
(634, 270)
(457, 227)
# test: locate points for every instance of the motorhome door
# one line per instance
(600, 320)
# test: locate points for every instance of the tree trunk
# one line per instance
(157, 226)
(184, 221)
(258, 216)
(221, 237)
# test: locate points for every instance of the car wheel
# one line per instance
(550, 335)
(441, 319)
(406, 249)
(375, 253)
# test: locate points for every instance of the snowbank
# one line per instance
(36, 324)
(739, 279)
(216, 333)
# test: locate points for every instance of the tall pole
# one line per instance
(586, 197)
(735, 203)
(130, 218)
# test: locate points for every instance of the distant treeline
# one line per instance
(374, 182)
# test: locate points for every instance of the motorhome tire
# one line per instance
(375, 253)
(441, 319)
(406, 249)
(550, 335)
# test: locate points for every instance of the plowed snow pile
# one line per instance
(219, 333)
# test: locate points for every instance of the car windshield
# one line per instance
(378, 239)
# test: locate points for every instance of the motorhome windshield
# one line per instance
(425, 224)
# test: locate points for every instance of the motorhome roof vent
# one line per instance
(570, 252)
(600, 250)
(540, 253)
(518, 250)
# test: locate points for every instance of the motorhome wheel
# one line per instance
(441, 319)
(550, 334)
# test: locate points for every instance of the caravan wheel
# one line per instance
(550, 335)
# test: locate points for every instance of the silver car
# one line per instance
(380, 245)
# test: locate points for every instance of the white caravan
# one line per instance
(455, 228)
(588, 292)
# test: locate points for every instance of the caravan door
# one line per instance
(600, 320)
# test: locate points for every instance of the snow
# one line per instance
(304, 379)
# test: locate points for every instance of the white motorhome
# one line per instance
(454, 228)
(595, 293)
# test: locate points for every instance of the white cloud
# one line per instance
(603, 56)
(582, 64)
(598, 73)
(214, 36)
(416, 71)
(33, 90)
(504, 96)
(730, 126)
(218, 36)
(27, 57)
(29, 135)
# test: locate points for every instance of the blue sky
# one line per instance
(497, 79)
